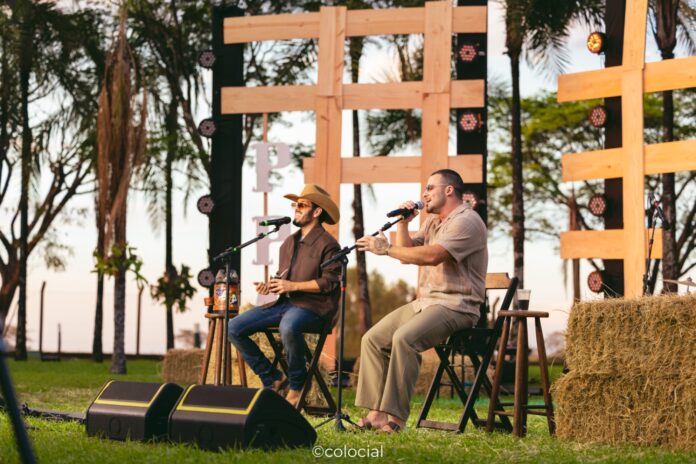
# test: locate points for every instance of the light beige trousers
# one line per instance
(390, 354)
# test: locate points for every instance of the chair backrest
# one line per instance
(498, 281)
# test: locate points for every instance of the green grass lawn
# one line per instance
(70, 386)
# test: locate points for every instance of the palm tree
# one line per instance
(121, 147)
(537, 28)
(668, 21)
(41, 42)
(171, 34)
(355, 48)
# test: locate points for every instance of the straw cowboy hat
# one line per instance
(319, 197)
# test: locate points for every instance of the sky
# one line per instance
(70, 295)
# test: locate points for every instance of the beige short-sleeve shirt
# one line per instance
(459, 283)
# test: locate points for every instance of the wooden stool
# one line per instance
(520, 405)
(215, 326)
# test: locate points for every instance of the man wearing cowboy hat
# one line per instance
(308, 294)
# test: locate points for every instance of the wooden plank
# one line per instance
(332, 36)
(329, 103)
(633, 182)
(381, 169)
(666, 157)
(409, 95)
(396, 169)
(271, 27)
(589, 84)
(391, 21)
(437, 53)
(604, 244)
(599, 164)
(436, 86)
(497, 280)
(470, 20)
(435, 130)
(386, 96)
(236, 100)
(359, 23)
(678, 73)
(660, 158)
(470, 167)
(634, 35)
(468, 94)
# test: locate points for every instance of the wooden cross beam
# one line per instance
(634, 160)
(436, 95)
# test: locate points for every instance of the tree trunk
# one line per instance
(25, 62)
(8, 287)
(364, 309)
(97, 346)
(172, 141)
(670, 267)
(574, 221)
(517, 179)
(118, 357)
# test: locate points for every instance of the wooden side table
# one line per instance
(216, 321)
(520, 404)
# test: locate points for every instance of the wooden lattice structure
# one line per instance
(436, 95)
(634, 160)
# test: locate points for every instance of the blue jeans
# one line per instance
(292, 322)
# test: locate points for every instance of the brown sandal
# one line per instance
(393, 428)
(366, 425)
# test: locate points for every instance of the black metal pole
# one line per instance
(339, 417)
(226, 322)
(26, 453)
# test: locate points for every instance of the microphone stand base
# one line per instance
(339, 417)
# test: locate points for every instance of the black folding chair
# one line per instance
(478, 345)
(313, 371)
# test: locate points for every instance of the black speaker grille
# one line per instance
(130, 391)
(220, 396)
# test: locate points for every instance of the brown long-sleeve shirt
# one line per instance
(314, 249)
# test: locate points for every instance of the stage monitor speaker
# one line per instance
(219, 417)
(134, 410)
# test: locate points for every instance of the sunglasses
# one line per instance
(301, 206)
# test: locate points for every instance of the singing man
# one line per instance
(308, 294)
(452, 253)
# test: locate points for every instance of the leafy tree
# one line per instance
(44, 58)
(537, 29)
(121, 147)
(169, 35)
(668, 21)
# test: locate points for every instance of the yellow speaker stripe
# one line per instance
(181, 407)
(132, 404)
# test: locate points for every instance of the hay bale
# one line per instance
(615, 335)
(632, 376)
(182, 366)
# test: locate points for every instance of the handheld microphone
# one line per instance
(276, 221)
(406, 212)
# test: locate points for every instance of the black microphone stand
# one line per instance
(648, 279)
(226, 256)
(342, 257)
